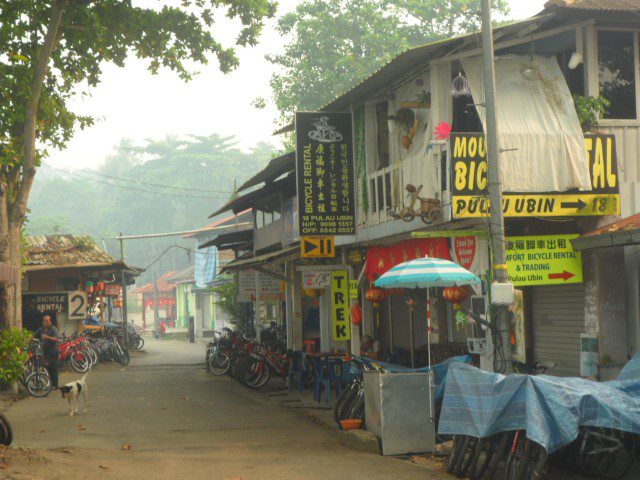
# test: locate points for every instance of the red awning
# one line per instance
(381, 259)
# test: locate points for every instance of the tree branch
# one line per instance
(19, 206)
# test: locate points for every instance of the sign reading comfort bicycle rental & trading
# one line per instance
(543, 260)
(468, 156)
(340, 305)
(324, 165)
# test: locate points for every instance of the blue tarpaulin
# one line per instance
(550, 409)
(439, 370)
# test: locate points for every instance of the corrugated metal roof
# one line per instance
(624, 225)
(183, 276)
(260, 260)
(64, 250)
(278, 166)
(411, 59)
(596, 5)
(244, 216)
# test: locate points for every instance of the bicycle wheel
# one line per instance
(219, 364)
(465, 456)
(500, 452)
(39, 384)
(458, 440)
(139, 343)
(619, 451)
(6, 433)
(357, 409)
(79, 362)
(256, 374)
(344, 398)
(482, 455)
(519, 458)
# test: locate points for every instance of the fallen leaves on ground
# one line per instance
(187, 398)
(81, 427)
(104, 467)
(126, 446)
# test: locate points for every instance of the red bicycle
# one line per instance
(71, 351)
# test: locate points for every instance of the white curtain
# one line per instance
(536, 116)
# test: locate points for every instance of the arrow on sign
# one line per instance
(557, 276)
(309, 247)
(579, 205)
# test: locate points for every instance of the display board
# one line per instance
(469, 183)
(324, 164)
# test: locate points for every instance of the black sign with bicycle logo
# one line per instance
(324, 161)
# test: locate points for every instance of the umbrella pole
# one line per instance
(430, 374)
(413, 363)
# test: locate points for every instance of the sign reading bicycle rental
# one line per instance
(324, 165)
(469, 183)
(543, 260)
(340, 305)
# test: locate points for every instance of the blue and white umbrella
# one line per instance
(426, 272)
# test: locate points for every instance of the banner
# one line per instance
(381, 259)
(324, 165)
(543, 260)
(340, 305)
(469, 183)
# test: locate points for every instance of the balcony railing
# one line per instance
(385, 190)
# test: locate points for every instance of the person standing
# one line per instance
(49, 336)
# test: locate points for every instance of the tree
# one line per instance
(334, 44)
(55, 49)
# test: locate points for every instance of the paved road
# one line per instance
(182, 423)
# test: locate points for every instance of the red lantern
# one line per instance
(100, 287)
(455, 295)
(375, 295)
(356, 315)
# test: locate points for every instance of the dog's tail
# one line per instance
(84, 377)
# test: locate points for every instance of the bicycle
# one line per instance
(6, 433)
(217, 356)
(36, 378)
(69, 352)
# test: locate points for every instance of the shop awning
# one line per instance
(261, 260)
(230, 240)
(276, 167)
(622, 233)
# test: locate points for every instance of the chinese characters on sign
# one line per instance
(469, 183)
(543, 260)
(324, 162)
(270, 288)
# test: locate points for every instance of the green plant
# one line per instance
(589, 110)
(13, 353)
(227, 299)
(424, 97)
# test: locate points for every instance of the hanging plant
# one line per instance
(590, 110)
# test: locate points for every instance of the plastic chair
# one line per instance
(297, 372)
(309, 346)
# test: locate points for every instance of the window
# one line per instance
(382, 116)
(616, 72)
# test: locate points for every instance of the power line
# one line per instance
(79, 174)
(155, 192)
(93, 172)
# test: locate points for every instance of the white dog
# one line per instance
(71, 391)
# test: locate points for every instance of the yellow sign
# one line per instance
(353, 289)
(340, 305)
(318, 247)
(543, 260)
(543, 205)
(469, 183)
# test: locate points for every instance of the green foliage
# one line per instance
(227, 295)
(92, 33)
(334, 44)
(13, 353)
(590, 110)
(101, 204)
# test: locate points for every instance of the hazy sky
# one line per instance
(132, 103)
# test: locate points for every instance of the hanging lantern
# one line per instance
(89, 287)
(375, 295)
(455, 295)
(356, 314)
(100, 287)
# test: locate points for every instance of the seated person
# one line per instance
(369, 347)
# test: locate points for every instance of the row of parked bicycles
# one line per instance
(250, 362)
(80, 352)
(596, 452)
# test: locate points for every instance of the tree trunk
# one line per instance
(15, 187)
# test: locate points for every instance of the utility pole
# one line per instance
(156, 319)
(496, 219)
(123, 279)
